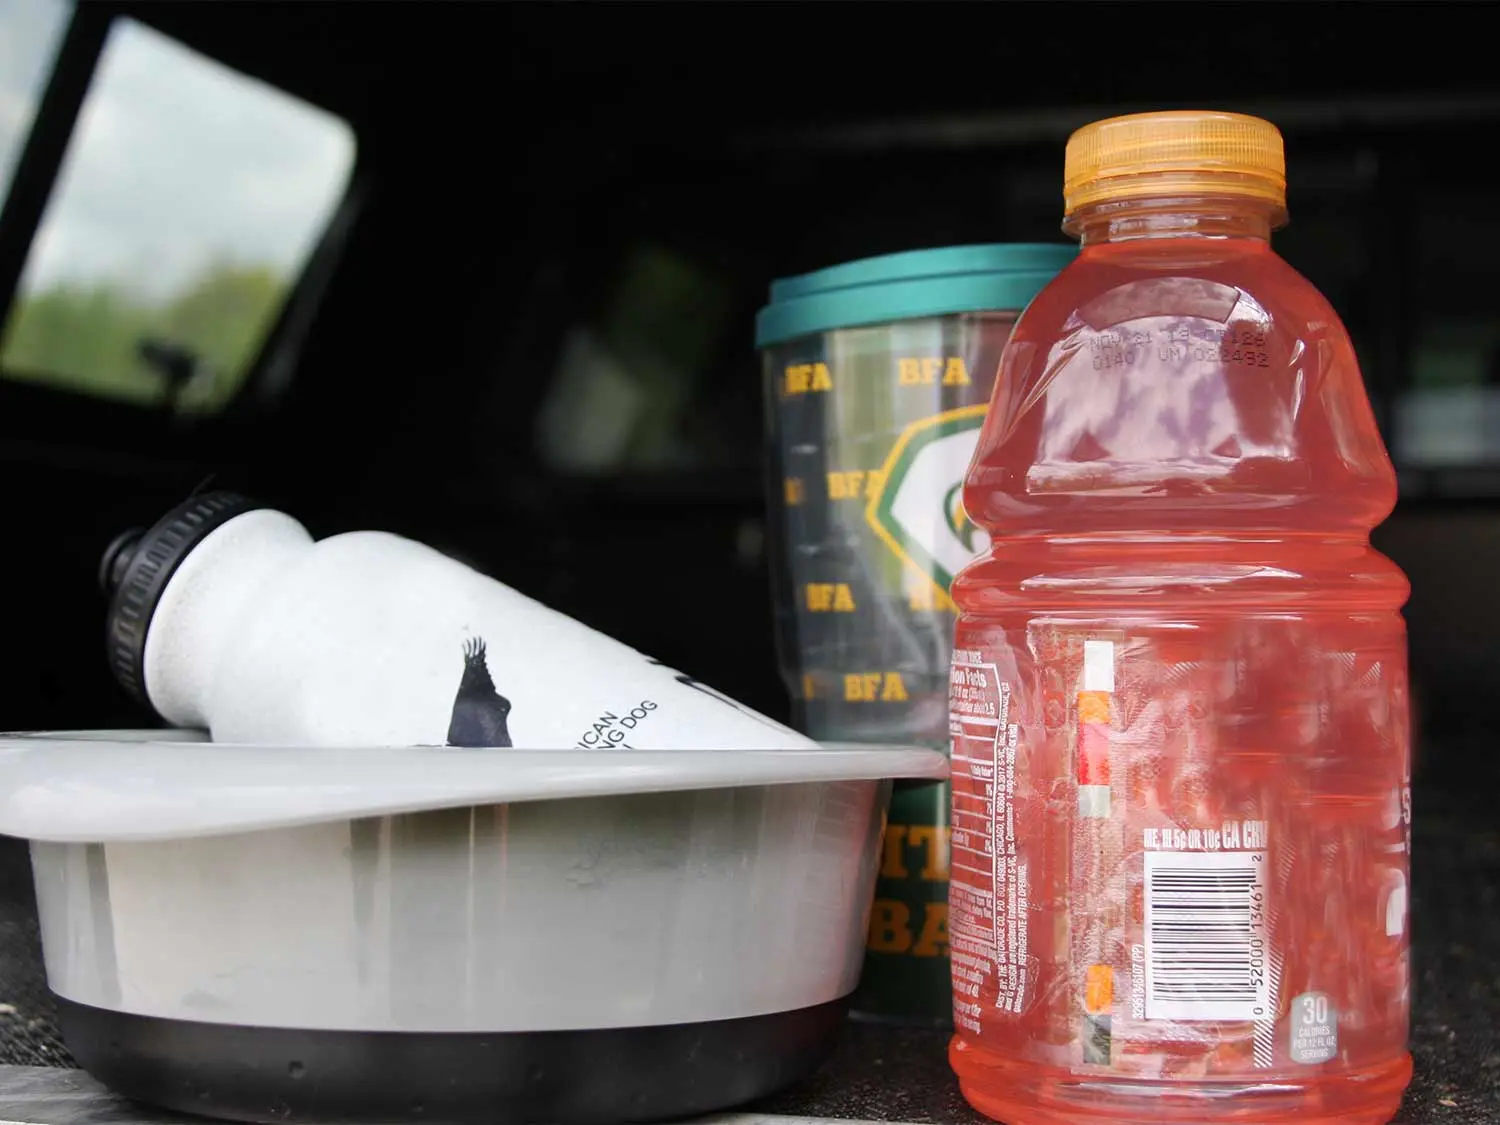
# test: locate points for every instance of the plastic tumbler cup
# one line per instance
(877, 376)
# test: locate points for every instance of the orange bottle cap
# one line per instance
(1178, 152)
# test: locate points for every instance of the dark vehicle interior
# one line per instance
(485, 276)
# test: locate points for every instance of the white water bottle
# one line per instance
(227, 616)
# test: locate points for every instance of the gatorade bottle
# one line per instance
(1178, 694)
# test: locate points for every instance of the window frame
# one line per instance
(271, 367)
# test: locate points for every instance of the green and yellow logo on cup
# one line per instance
(918, 508)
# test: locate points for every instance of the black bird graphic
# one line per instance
(479, 711)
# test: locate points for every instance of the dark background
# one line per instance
(513, 162)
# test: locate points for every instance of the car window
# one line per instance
(189, 200)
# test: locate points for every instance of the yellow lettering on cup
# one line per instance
(956, 374)
(933, 841)
(890, 926)
(845, 484)
(800, 378)
(893, 858)
(933, 940)
(829, 597)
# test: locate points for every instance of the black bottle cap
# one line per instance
(136, 568)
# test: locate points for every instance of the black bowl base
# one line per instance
(594, 1077)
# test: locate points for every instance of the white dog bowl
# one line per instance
(262, 932)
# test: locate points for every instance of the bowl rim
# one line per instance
(116, 786)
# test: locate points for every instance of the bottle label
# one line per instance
(480, 714)
(989, 888)
(1177, 856)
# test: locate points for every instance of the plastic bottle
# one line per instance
(1178, 697)
(227, 616)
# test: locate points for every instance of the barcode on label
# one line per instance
(1206, 956)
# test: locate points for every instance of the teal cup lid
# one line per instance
(918, 283)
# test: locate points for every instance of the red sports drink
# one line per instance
(1181, 813)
